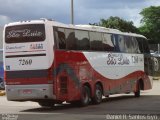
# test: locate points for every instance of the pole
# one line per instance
(72, 12)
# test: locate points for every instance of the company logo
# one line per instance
(23, 33)
(117, 59)
(36, 46)
(14, 47)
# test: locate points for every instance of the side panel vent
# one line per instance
(63, 85)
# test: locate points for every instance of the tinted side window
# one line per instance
(140, 44)
(131, 44)
(122, 44)
(135, 47)
(60, 39)
(114, 39)
(96, 41)
(70, 39)
(108, 44)
(128, 44)
(82, 38)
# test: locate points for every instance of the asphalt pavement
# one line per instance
(116, 107)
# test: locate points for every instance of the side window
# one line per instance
(135, 45)
(108, 44)
(122, 44)
(128, 44)
(96, 41)
(140, 44)
(70, 39)
(60, 40)
(131, 44)
(82, 38)
(114, 39)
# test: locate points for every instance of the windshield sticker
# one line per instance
(24, 33)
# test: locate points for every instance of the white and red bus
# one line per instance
(50, 62)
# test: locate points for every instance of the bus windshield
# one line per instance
(25, 33)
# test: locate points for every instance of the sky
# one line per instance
(85, 11)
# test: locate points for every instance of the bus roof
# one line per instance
(81, 27)
(110, 30)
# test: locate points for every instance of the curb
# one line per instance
(2, 93)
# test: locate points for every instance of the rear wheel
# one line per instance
(137, 93)
(85, 98)
(97, 99)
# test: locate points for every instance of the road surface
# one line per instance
(124, 107)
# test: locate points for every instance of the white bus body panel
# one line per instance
(35, 91)
(38, 62)
(122, 65)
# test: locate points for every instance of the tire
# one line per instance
(137, 93)
(48, 104)
(97, 99)
(85, 97)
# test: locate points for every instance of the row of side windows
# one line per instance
(70, 39)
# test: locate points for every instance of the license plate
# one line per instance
(27, 91)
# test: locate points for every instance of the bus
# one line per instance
(50, 62)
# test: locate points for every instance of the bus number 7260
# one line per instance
(25, 61)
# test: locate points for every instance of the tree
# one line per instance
(118, 23)
(151, 23)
